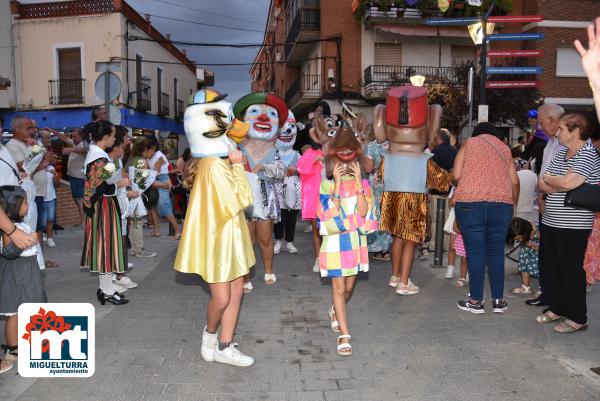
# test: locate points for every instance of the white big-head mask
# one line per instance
(206, 123)
(288, 133)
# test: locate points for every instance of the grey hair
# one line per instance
(17, 122)
(554, 111)
(444, 135)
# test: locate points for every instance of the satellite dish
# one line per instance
(114, 114)
(114, 86)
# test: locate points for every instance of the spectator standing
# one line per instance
(565, 230)
(526, 206)
(488, 187)
(75, 174)
(444, 153)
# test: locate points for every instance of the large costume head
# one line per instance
(407, 121)
(340, 143)
(210, 126)
(265, 112)
(287, 134)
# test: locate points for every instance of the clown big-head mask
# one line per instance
(266, 114)
(209, 122)
(287, 134)
(407, 121)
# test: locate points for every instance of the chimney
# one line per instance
(15, 8)
(147, 16)
(168, 36)
(184, 51)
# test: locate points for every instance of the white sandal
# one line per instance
(523, 289)
(344, 349)
(335, 326)
(270, 278)
(248, 287)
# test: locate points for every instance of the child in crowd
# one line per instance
(523, 231)
(459, 250)
(456, 246)
(21, 280)
(50, 203)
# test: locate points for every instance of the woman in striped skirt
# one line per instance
(103, 250)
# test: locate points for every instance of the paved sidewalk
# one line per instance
(415, 348)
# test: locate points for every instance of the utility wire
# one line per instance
(234, 45)
(116, 59)
(210, 12)
(205, 24)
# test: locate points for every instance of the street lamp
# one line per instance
(417, 80)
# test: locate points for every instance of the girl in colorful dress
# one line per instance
(21, 279)
(103, 250)
(523, 231)
(459, 250)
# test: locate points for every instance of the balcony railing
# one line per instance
(379, 78)
(143, 97)
(180, 109)
(163, 105)
(304, 87)
(67, 91)
(308, 17)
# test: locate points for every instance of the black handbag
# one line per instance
(586, 196)
(150, 197)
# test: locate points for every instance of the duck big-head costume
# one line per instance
(215, 242)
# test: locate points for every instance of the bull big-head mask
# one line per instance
(340, 144)
(407, 121)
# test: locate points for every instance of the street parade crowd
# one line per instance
(361, 188)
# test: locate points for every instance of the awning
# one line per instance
(423, 30)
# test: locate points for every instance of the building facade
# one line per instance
(356, 50)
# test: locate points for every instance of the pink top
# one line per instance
(309, 169)
(485, 176)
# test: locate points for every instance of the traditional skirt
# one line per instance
(103, 246)
(404, 215)
(21, 281)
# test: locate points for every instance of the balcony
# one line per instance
(180, 110)
(304, 91)
(380, 78)
(163, 105)
(67, 91)
(143, 98)
(306, 26)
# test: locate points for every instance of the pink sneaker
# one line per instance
(394, 281)
(407, 289)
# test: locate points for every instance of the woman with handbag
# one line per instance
(488, 189)
(565, 230)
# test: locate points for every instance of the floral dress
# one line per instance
(103, 249)
(379, 241)
(591, 264)
(528, 257)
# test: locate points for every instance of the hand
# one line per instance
(257, 168)
(235, 156)
(355, 170)
(451, 202)
(338, 171)
(292, 171)
(590, 58)
(22, 240)
(133, 194)
(125, 182)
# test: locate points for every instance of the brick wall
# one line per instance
(563, 10)
(66, 209)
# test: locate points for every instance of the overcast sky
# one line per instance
(232, 80)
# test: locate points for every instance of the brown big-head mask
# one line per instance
(341, 144)
(407, 122)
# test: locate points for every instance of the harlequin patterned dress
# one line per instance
(103, 250)
(344, 249)
(591, 265)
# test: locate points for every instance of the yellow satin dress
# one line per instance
(215, 242)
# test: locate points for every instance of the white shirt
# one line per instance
(551, 149)
(7, 175)
(19, 152)
(527, 193)
(50, 190)
(164, 169)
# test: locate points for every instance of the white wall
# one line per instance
(7, 97)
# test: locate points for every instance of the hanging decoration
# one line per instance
(444, 5)
(475, 3)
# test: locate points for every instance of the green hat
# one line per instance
(261, 98)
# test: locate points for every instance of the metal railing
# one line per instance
(143, 101)
(67, 91)
(307, 18)
(163, 105)
(180, 109)
(307, 85)
(398, 75)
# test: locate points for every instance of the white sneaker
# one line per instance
(126, 282)
(277, 248)
(209, 345)
(308, 228)
(50, 242)
(119, 287)
(248, 287)
(129, 265)
(394, 280)
(145, 254)
(44, 237)
(407, 289)
(449, 272)
(233, 356)
(291, 248)
(316, 266)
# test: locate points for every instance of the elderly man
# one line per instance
(99, 113)
(444, 153)
(23, 130)
(548, 119)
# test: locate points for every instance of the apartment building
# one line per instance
(357, 50)
(61, 48)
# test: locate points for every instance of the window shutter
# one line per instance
(388, 54)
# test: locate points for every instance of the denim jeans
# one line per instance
(484, 226)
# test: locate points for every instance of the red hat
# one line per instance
(407, 106)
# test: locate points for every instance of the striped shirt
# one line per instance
(586, 163)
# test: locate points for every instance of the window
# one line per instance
(68, 88)
(388, 54)
(568, 63)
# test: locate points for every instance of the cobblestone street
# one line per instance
(415, 348)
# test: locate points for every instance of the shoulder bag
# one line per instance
(586, 196)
